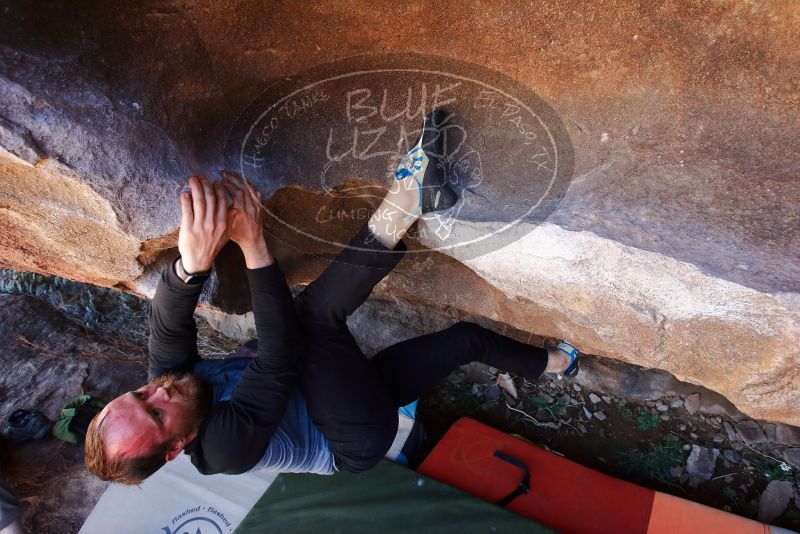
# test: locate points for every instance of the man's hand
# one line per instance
(247, 222)
(204, 224)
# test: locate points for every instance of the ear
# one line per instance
(176, 447)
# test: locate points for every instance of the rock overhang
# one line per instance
(674, 246)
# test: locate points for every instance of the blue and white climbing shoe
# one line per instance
(425, 163)
(407, 443)
(572, 353)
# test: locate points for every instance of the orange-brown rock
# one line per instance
(674, 244)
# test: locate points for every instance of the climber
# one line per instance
(309, 401)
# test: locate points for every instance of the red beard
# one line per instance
(190, 387)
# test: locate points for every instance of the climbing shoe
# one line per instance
(572, 353)
(26, 425)
(425, 162)
(407, 447)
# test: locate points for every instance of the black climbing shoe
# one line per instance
(413, 450)
(436, 193)
(25, 425)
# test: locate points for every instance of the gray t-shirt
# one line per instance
(297, 446)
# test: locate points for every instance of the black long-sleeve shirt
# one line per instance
(236, 432)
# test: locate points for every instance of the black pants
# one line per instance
(353, 400)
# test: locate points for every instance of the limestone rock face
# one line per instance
(669, 238)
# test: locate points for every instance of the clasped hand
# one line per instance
(209, 219)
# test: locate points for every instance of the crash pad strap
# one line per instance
(525, 483)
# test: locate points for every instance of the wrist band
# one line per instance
(190, 278)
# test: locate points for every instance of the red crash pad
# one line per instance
(563, 495)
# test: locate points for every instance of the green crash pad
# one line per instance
(388, 498)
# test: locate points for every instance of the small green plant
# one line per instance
(654, 459)
(626, 413)
(646, 420)
(776, 473)
(540, 402)
(772, 471)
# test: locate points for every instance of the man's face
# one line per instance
(168, 409)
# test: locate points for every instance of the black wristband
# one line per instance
(187, 277)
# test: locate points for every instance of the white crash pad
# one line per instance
(178, 499)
